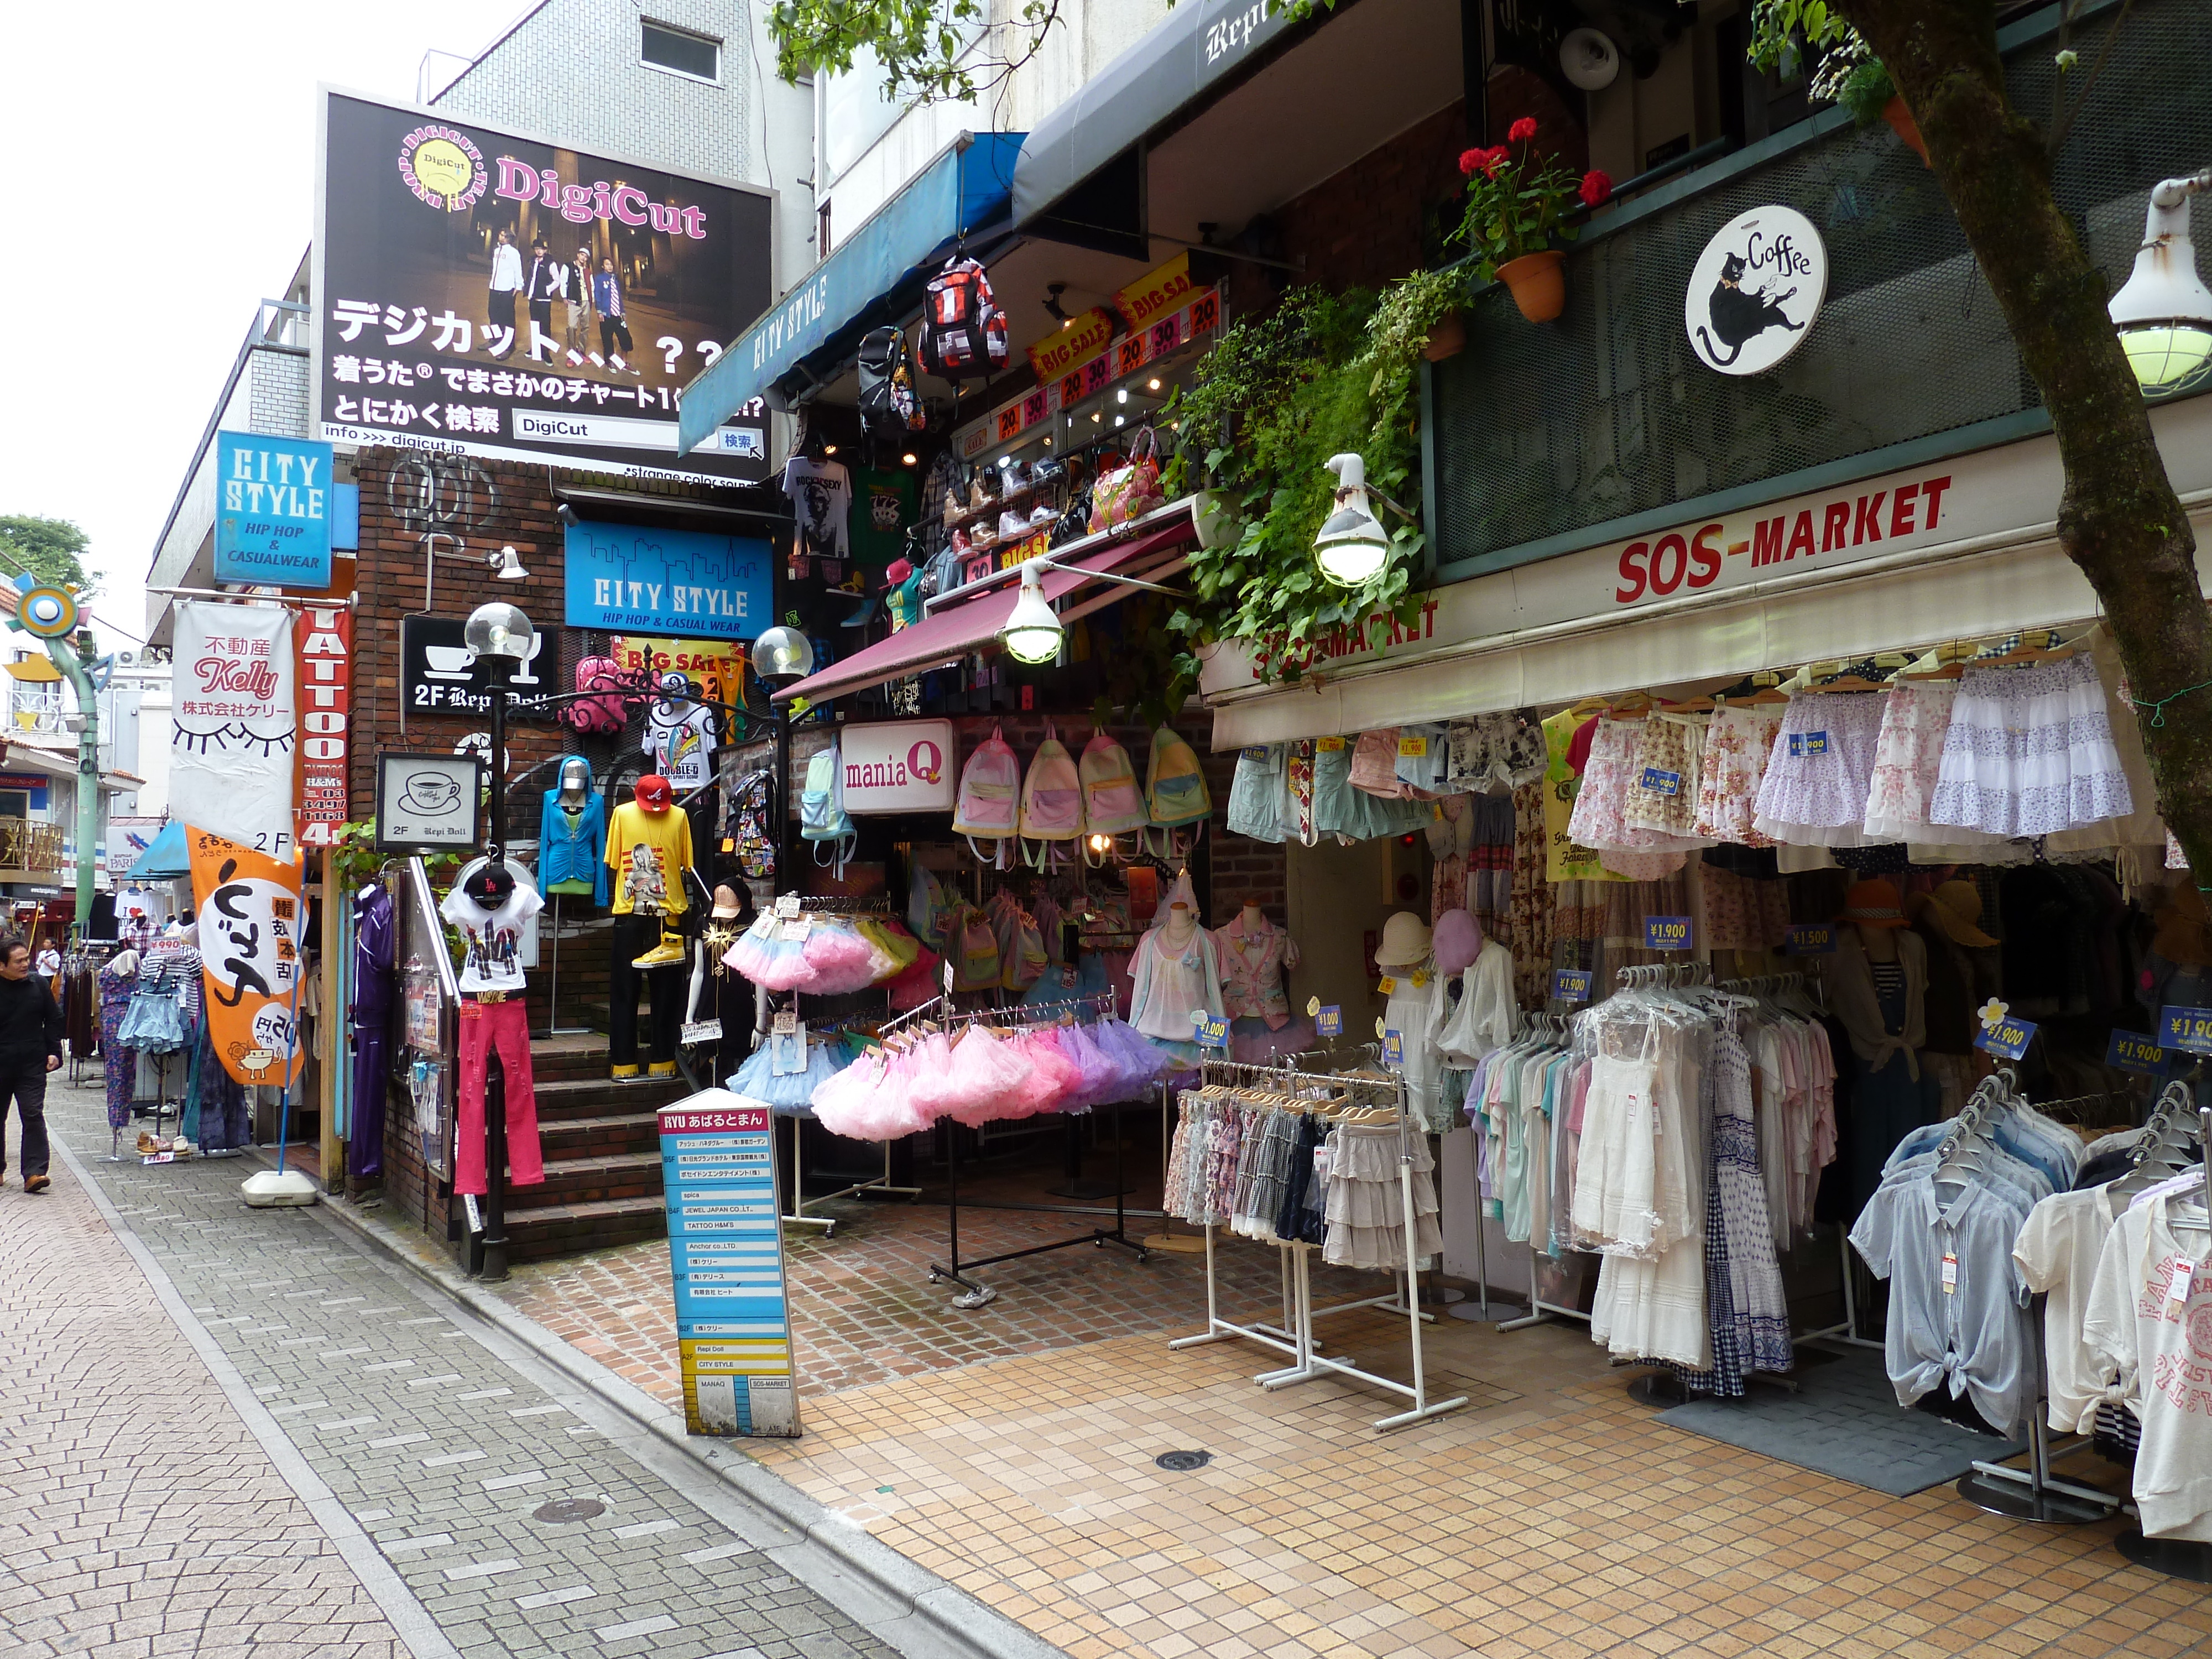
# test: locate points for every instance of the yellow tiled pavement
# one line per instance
(1552, 1518)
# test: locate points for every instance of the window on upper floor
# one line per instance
(680, 53)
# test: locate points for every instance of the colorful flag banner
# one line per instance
(251, 927)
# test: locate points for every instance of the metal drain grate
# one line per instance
(568, 1509)
(1181, 1462)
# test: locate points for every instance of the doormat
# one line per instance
(1843, 1420)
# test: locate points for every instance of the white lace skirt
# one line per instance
(2029, 752)
(1821, 769)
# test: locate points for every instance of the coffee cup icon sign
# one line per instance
(431, 793)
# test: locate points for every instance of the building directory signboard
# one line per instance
(686, 583)
(726, 1251)
(274, 504)
(484, 293)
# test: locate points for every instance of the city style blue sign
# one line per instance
(273, 507)
(679, 584)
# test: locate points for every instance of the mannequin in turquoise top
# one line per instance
(572, 837)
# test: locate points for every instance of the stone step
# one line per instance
(568, 1098)
(570, 1181)
(601, 1136)
(567, 1228)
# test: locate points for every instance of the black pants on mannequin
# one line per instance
(666, 987)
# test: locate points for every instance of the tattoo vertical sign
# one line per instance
(325, 666)
(252, 925)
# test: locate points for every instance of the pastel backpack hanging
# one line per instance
(822, 816)
(1112, 802)
(972, 944)
(1175, 795)
(928, 912)
(1052, 804)
(990, 798)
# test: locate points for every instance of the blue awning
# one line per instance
(876, 275)
(166, 856)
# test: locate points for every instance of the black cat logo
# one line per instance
(1737, 316)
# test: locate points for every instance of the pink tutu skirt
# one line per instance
(869, 1100)
(775, 963)
(838, 960)
(1049, 1075)
(986, 1081)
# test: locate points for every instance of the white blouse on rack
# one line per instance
(1485, 1019)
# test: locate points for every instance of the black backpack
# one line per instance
(963, 332)
(885, 369)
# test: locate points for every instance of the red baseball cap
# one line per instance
(653, 793)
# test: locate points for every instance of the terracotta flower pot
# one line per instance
(1539, 285)
(1447, 340)
(1901, 122)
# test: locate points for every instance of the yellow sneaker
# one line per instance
(661, 1068)
(621, 1074)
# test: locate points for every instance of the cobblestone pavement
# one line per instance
(863, 1310)
(398, 1437)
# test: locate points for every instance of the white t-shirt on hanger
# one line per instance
(680, 738)
(493, 958)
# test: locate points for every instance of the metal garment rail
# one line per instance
(1294, 1337)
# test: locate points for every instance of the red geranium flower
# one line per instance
(1494, 158)
(1597, 189)
(1523, 129)
(1469, 159)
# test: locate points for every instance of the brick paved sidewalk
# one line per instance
(433, 1439)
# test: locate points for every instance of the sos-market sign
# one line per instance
(901, 765)
(439, 325)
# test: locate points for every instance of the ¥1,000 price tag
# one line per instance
(1666, 933)
(702, 1031)
(1657, 781)
(2007, 1039)
(1571, 984)
(1393, 1047)
(787, 907)
(1811, 938)
(1213, 1033)
(785, 1024)
(1328, 1019)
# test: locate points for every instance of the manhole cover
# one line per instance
(568, 1509)
(1181, 1462)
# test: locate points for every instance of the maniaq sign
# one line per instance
(486, 293)
(904, 766)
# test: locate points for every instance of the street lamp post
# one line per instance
(499, 636)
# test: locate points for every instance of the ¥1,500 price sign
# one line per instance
(726, 1249)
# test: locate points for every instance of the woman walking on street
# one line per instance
(30, 1046)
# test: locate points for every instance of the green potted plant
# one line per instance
(1418, 316)
(1517, 202)
(1867, 91)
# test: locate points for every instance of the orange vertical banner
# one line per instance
(251, 929)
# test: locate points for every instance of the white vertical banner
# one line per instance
(234, 738)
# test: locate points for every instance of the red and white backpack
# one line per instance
(601, 713)
(963, 332)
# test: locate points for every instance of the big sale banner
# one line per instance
(251, 929)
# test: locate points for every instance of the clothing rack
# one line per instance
(1294, 1337)
(882, 1183)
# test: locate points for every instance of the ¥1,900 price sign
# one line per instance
(1666, 933)
(2187, 1029)
(726, 1249)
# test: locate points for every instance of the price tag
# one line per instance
(2131, 1051)
(702, 1031)
(1212, 1033)
(1329, 745)
(1810, 939)
(2177, 1285)
(1412, 747)
(787, 906)
(1393, 1047)
(1802, 744)
(476, 1215)
(1313, 1007)
(1658, 781)
(2185, 1028)
(1321, 1161)
(1387, 986)
(1666, 933)
(1571, 984)
(1255, 752)
(794, 933)
(785, 1023)
(1327, 1018)
(948, 975)
(1378, 1026)
(159, 1157)
(1950, 1272)
(2007, 1039)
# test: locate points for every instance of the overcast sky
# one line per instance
(162, 161)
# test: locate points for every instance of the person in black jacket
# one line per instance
(30, 1046)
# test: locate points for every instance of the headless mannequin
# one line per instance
(1177, 931)
(1254, 917)
(574, 778)
(1879, 943)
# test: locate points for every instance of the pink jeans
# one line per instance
(505, 1025)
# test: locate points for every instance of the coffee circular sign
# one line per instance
(1755, 290)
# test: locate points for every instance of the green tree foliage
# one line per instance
(52, 550)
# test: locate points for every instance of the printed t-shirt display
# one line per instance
(680, 738)
(1562, 860)
(822, 501)
(882, 509)
(664, 841)
(2161, 1345)
(492, 938)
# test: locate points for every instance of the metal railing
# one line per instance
(27, 844)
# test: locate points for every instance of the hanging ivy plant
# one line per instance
(1322, 374)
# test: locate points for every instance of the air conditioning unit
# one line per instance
(126, 658)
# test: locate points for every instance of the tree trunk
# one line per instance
(2119, 518)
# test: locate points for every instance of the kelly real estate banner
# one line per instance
(440, 325)
(725, 1251)
(684, 583)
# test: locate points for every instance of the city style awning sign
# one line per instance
(682, 583)
(437, 327)
(274, 504)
